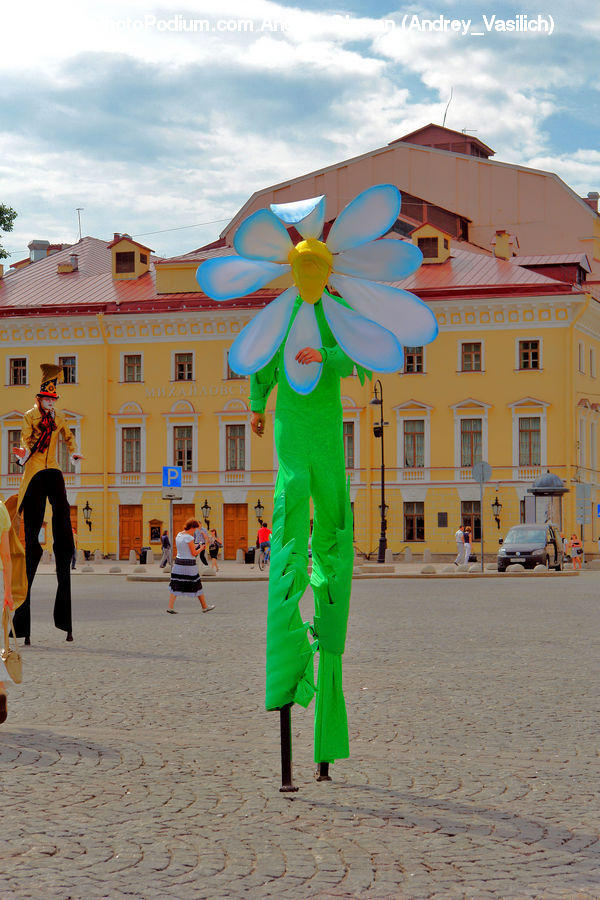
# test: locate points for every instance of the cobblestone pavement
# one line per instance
(138, 762)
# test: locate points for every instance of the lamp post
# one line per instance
(378, 433)
(496, 510)
(87, 514)
(206, 513)
(259, 510)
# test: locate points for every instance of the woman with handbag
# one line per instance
(6, 564)
(185, 578)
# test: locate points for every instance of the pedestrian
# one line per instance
(202, 540)
(213, 549)
(185, 578)
(165, 544)
(468, 543)
(43, 481)
(6, 566)
(74, 557)
(576, 551)
(460, 546)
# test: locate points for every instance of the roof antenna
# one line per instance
(79, 210)
(448, 104)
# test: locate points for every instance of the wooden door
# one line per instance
(181, 513)
(130, 529)
(235, 528)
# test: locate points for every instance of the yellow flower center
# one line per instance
(311, 263)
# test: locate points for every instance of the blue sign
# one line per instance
(598, 513)
(172, 476)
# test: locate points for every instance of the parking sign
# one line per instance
(172, 476)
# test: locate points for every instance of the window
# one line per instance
(470, 442)
(470, 514)
(581, 357)
(592, 362)
(132, 367)
(125, 262)
(14, 440)
(413, 359)
(184, 367)
(349, 444)
(428, 247)
(182, 441)
(529, 354)
(231, 375)
(414, 443)
(18, 371)
(442, 520)
(69, 366)
(62, 453)
(144, 258)
(530, 444)
(471, 357)
(131, 449)
(414, 521)
(236, 447)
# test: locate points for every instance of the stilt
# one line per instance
(285, 722)
(323, 772)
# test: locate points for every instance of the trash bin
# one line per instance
(145, 555)
(249, 558)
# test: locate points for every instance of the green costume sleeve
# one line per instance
(261, 385)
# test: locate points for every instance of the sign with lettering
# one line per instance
(172, 476)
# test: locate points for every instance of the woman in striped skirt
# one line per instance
(185, 579)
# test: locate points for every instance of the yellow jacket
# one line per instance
(38, 461)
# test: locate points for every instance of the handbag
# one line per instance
(10, 655)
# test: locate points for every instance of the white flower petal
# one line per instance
(371, 214)
(382, 260)
(258, 342)
(401, 312)
(295, 212)
(365, 342)
(303, 333)
(234, 276)
(262, 236)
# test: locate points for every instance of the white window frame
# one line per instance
(183, 413)
(592, 362)
(178, 352)
(581, 357)
(130, 416)
(469, 409)
(76, 357)
(125, 353)
(413, 410)
(234, 413)
(459, 367)
(518, 341)
(351, 413)
(527, 408)
(24, 356)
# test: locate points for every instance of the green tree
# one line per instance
(7, 218)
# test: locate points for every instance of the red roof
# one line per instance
(40, 290)
(554, 259)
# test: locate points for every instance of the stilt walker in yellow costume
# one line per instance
(43, 481)
(328, 322)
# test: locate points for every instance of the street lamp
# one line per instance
(87, 514)
(259, 510)
(206, 513)
(378, 433)
(496, 510)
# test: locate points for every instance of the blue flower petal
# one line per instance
(371, 214)
(303, 333)
(383, 260)
(365, 342)
(262, 236)
(258, 342)
(401, 312)
(234, 276)
(295, 212)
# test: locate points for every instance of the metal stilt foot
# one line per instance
(323, 772)
(285, 723)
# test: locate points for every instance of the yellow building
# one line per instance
(512, 379)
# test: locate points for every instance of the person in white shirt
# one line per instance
(460, 546)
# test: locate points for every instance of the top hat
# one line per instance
(50, 378)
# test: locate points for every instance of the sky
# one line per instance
(161, 119)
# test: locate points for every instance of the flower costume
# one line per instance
(336, 305)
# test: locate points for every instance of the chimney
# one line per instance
(505, 245)
(117, 236)
(74, 260)
(592, 200)
(38, 250)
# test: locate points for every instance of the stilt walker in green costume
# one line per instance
(335, 317)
